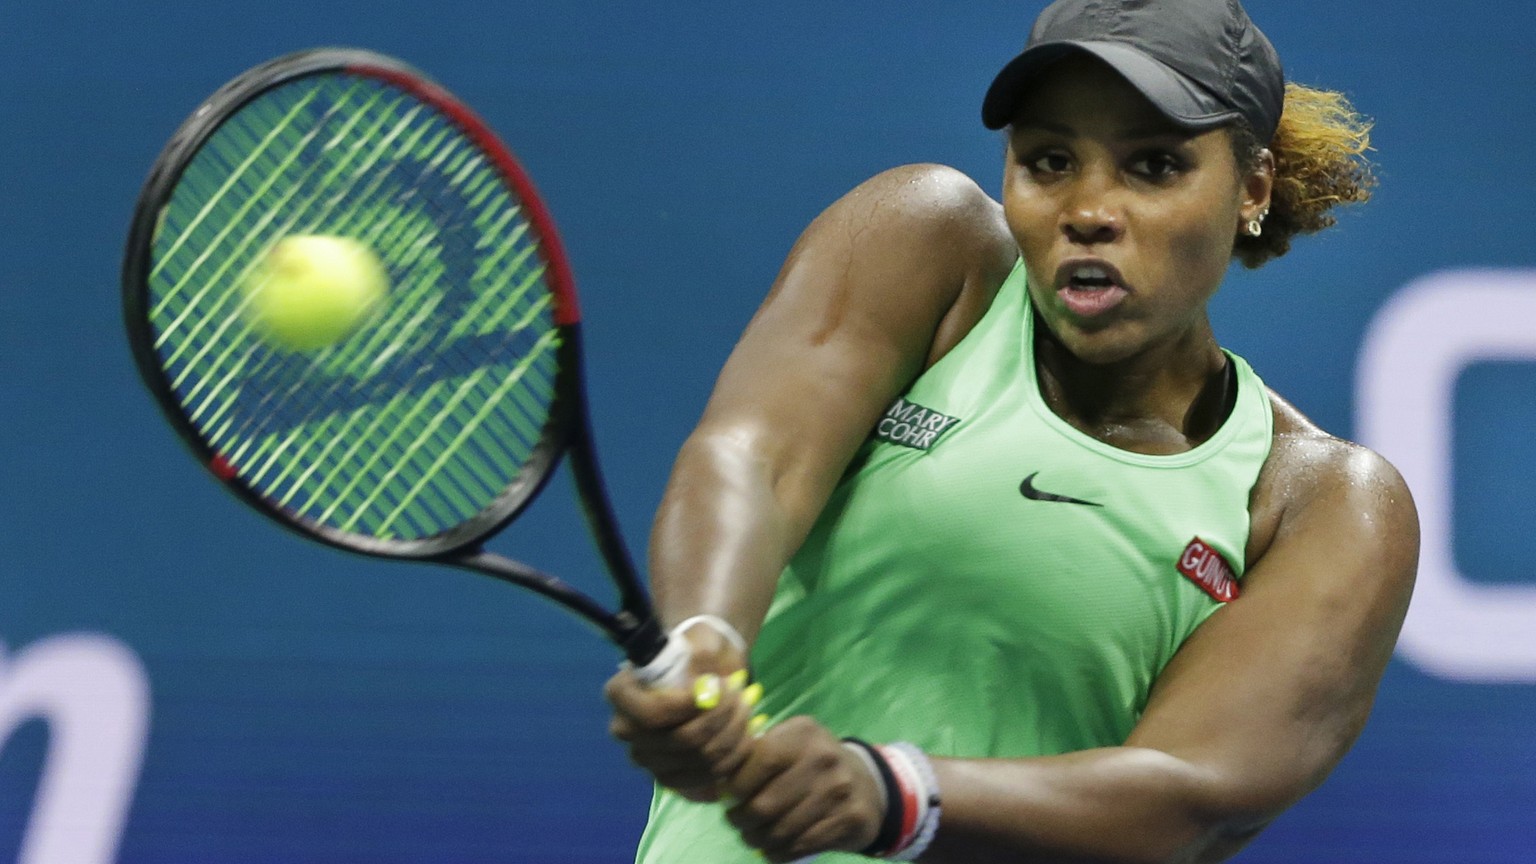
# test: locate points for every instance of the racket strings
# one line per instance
(216, 311)
(421, 419)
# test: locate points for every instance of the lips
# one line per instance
(1089, 287)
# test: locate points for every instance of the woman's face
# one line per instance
(1126, 223)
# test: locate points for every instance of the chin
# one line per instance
(1093, 342)
(1102, 347)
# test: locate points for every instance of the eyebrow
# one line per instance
(1137, 134)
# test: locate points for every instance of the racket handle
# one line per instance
(669, 668)
(669, 664)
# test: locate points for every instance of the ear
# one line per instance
(1258, 185)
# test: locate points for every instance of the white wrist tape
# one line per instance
(716, 623)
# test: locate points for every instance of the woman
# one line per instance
(979, 478)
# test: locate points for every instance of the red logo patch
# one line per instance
(1205, 567)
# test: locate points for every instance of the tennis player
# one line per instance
(1027, 566)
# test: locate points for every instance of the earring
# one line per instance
(1256, 226)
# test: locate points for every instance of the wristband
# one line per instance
(911, 764)
(889, 833)
(716, 623)
(911, 798)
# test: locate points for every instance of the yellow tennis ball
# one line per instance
(310, 291)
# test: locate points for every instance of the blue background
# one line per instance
(314, 707)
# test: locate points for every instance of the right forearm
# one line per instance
(721, 536)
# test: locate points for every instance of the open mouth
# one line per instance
(1089, 288)
(1090, 277)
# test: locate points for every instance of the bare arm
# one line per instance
(872, 290)
(1252, 713)
(882, 283)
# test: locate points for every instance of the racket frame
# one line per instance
(566, 432)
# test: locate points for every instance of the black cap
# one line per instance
(1202, 63)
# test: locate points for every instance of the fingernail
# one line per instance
(737, 679)
(752, 694)
(756, 725)
(706, 691)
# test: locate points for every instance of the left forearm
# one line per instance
(1119, 804)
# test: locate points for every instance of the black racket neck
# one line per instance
(636, 630)
(638, 633)
(595, 505)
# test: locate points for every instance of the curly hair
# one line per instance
(1320, 163)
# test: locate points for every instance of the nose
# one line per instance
(1090, 215)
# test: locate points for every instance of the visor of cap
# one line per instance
(1180, 99)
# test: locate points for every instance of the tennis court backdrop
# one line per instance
(180, 681)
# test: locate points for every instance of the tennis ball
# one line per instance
(310, 291)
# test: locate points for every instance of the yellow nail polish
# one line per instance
(706, 691)
(757, 724)
(737, 679)
(753, 694)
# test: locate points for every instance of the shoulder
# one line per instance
(1314, 481)
(928, 234)
(929, 193)
(926, 211)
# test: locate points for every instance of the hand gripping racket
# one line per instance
(432, 425)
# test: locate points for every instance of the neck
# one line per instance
(1167, 398)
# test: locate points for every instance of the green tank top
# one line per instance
(988, 581)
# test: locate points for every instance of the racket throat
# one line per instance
(643, 640)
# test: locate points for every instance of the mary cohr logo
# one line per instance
(911, 425)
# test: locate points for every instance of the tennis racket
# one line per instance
(430, 427)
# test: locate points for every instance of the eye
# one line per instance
(1054, 162)
(1157, 165)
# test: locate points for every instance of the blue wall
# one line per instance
(312, 707)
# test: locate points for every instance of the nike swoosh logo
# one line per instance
(1028, 490)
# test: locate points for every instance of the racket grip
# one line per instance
(668, 668)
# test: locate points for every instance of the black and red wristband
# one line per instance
(911, 798)
(890, 825)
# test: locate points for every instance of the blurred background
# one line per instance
(213, 689)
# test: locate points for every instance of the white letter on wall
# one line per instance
(1417, 346)
(93, 694)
